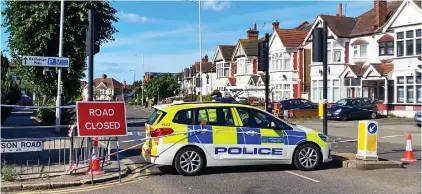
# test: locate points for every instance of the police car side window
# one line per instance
(184, 117)
(220, 116)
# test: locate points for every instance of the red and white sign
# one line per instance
(97, 119)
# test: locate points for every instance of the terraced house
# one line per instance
(375, 55)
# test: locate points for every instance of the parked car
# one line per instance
(353, 108)
(25, 101)
(297, 103)
(418, 118)
(224, 100)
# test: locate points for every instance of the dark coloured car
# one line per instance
(224, 100)
(353, 108)
(418, 119)
(297, 103)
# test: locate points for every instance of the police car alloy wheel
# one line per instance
(189, 161)
(307, 157)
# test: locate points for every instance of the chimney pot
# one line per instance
(104, 76)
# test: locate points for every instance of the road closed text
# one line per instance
(99, 125)
(101, 119)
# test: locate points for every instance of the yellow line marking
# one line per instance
(86, 187)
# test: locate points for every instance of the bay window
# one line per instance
(409, 43)
(223, 69)
(286, 61)
(409, 89)
(280, 62)
(333, 92)
(386, 48)
(282, 91)
(244, 66)
(360, 51)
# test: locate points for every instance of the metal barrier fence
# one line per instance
(46, 155)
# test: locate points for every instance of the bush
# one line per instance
(48, 115)
(8, 173)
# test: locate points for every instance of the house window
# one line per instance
(409, 43)
(248, 66)
(374, 89)
(409, 89)
(223, 69)
(279, 61)
(386, 48)
(351, 87)
(360, 51)
(286, 91)
(333, 92)
(286, 61)
(329, 53)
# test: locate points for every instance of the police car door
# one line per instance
(219, 137)
(262, 141)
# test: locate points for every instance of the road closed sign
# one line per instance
(96, 119)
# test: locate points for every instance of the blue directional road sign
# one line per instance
(45, 61)
(372, 128)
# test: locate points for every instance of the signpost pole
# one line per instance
(90, 70)
(267, 73)
(59, 74)
(142, 87)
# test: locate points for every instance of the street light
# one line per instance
(200, 47)
(142, 86)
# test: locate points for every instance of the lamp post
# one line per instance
(200, 47)
(59, 73)
(142, 85)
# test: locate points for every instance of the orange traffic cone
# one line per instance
(408, 154)
(95, 162)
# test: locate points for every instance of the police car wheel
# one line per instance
(189, 161)
(307, 157)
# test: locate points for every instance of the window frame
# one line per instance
(405, 40)
(384, 47)
(271, 119)
(414, 85)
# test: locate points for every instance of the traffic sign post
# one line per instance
(45, 61)
(101, 119)
(367, 140)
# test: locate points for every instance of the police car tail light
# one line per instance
(161, 132)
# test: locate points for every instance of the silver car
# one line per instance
(418, 118)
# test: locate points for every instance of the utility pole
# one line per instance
(59, 74)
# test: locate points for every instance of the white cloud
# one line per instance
(134, 18)
(216, 5)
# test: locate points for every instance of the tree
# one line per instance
(10, 92)
(33, 28)
(166, 85)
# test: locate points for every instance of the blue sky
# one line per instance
(167, 32)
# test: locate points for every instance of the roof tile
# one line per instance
(227, 51)
(291, 38)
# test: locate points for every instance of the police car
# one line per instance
(192, 136)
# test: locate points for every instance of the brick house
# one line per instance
(374, 55)
(222, 61)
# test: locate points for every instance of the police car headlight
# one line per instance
(323, 137)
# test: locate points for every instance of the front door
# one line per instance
(264, 138)
(219, 137)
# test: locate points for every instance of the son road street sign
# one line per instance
(101, 119)
(45, 61)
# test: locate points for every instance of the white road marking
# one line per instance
(302, 176)
(351, 140)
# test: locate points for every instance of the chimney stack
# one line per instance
(104, 76)
(380, 7)
(253, 33)
(205, 59)
(276, 25)
(340, 10)
(124, 83)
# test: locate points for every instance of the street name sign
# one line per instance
(101, 119)
(45, 61)
(21, 146)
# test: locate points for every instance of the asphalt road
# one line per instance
(268, 179)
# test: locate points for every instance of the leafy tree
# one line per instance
(33, 28)
(166, 85)
(10, 92)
